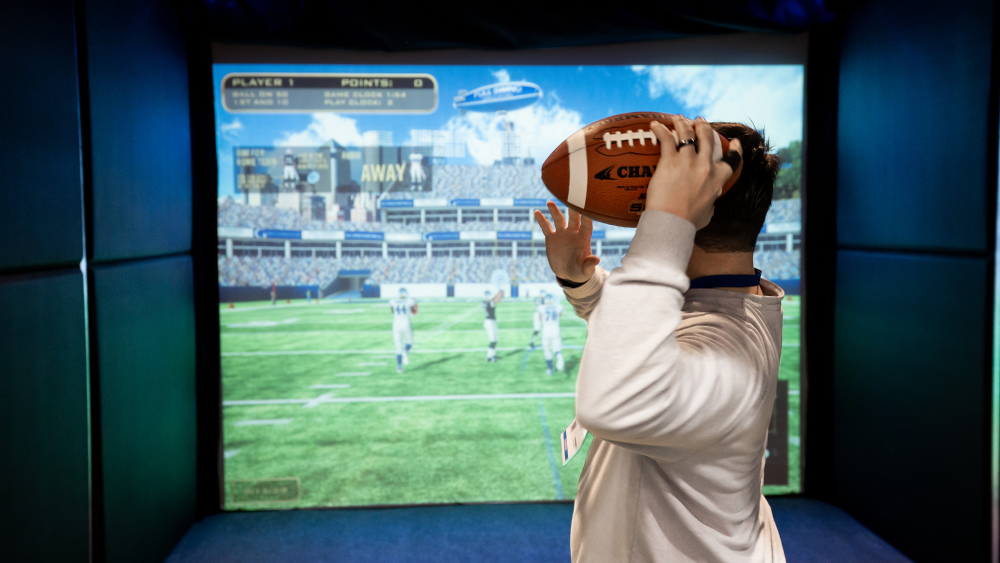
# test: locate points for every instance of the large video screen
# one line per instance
(391, 331)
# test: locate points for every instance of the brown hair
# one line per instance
(739, 215)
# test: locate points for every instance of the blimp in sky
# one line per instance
(502, 96)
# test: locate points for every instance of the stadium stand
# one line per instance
(470, 181)
(785, 211)
(450, 181)
(251, 271)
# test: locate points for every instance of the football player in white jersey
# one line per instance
(290, 172)
(490, 324)
(549, 314)
(417, 175)
(535, 321)
(402, 331)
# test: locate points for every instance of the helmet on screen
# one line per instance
(487, 294)
(403, 294)
(548, 299)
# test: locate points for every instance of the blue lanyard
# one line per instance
(709, 282)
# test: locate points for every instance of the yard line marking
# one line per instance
(353, 374)
(384, 331)
(261, 307)
(794, 392)
(556, 482)
(417, 398)
(331, 386)
(318, 400)
(371, 352)
(230, 453)
(262, 422)
(783, 345)
(262, 324)
(343, 311)
(372, 364)
(424, 338)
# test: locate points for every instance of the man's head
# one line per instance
(487, 295)
(739, 215)
(402, 293)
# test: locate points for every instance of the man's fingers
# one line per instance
(543, 223)
(557, 216)
(668, 143)
(590, 262)
(586, 226)
(573, 220)
(710, 144)
(732, 158)
(684, 133)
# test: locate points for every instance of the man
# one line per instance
(536, 323)
(290, 172)
(548, 314)
(677, 384)
(417, 175)
(402, 330)
(274, 293)
(490, 324)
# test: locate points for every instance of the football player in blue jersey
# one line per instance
(549, 313)
(535, 321)
(402, 330)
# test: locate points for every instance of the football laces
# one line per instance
(630, 137)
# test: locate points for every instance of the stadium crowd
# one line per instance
(251, 271)
(470, 181)
(448, 182)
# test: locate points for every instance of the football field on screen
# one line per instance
(312, 402)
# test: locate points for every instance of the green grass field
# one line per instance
(311, 392)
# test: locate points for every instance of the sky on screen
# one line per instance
(769, 96)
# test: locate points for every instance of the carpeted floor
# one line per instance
(811, 531)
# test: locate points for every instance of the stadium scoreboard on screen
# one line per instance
(316, 92)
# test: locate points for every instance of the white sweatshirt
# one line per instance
(677, 388)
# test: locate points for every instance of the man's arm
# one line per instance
(636, 387)
(584, 298)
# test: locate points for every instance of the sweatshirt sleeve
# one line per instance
(636, 387)
(585, 297)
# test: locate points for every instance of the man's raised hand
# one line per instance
(567, 244)
(689, 177)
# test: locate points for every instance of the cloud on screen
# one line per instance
(540, 128)
(501, 75)
(324, 127)
(231, 130)
(770, 96)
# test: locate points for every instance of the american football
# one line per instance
(602, 170)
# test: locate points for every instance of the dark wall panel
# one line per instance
(41, 218)
(909, 401)
(43, 418)
(146, 356)
(140, 135)
(913, 131)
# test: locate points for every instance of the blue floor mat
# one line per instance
(811, 531)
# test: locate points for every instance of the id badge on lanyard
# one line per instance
(572, 438)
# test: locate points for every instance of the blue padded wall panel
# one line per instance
(910, 399)
(913, 138)
(146, 373)
(140, 135)
(43, 418)
(41, 218)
